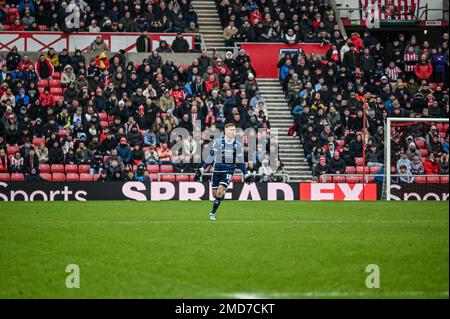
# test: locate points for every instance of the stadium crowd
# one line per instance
(288, 21)
(98, 16)
(402, 78)
(108, 118)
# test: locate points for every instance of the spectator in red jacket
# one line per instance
(211, 83)
(431, 165)
(44, 69)
(47, 99)
(357, 41)
(17, 26)
(25, 63)
(423, 69)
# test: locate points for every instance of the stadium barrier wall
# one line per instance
(156, 191)
(265, 56)
(42, 41)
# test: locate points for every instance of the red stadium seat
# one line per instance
(63, 133)
(440, 127)
(374, 169)
(168, 178)
(17, 177)
(350, 170)
(84, 168)
(236, 178)
(5, 177)
(10, 150)
(43, 83)
(338, 179)
(55, 83)
(57, 168)
(444, 179)
(96, 177)
(359, 161)
(58, 177)
(154, 177)
(56, 91)
(423, 152)
(420, 144)
(166, 168)
(362, 170)
(442, 134)
(72, 177)
(433, 179)
(71, 168)
(153, 169)
(44, 168)
(46, 176)
(182, 178)
(42, 27)
(85, 177)
(420, 179)
(340, 143)
(191, 177)
(56, 75)
(38, 141)
(353, 179)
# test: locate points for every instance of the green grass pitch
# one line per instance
(255, 249)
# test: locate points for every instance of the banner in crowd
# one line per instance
(265, 56)
(389, 9)
(42, 41)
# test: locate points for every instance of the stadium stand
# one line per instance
(327, 98)
(106, 117)
(65, 113)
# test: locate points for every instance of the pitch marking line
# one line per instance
(337, 294)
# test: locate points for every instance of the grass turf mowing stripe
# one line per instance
(273, 249)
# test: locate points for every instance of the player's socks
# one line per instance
(216, 205)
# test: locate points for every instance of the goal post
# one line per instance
(390, 123)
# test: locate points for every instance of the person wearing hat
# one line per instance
(180, 44)
(337, 164)
(321, 168)
(124, 151)
(163, 48)
(141, 175)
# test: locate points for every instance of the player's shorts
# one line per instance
(221, 179)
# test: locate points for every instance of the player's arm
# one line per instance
(211, 157)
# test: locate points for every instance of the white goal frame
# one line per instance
(389, 121)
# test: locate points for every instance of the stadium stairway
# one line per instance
(209, 23)
(290, 150)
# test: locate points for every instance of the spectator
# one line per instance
(405, 175)
(431, 165)
(143, 43)
(443, 167)
(98, 46)
(417, 165)
(44, 69)
(423, 69)
(180, 44)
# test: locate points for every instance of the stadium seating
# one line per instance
(17, 177)
(58, 177)
(5, 177)
(72, 177)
